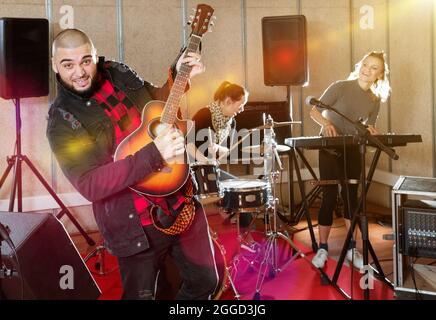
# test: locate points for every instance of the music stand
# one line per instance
(359, 216)
(17, 183)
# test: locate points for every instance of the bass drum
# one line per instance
(169, 281)
(206, 178)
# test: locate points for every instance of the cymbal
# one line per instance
(275, 125)
(260, 148)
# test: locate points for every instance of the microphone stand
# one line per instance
(359, 216)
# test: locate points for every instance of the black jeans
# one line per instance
(191, 251)
(331, 167)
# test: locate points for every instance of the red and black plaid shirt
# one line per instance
(126, 118)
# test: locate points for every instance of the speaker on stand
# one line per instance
(24, 67)
(284, 51)
(285, 63)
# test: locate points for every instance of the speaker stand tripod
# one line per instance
(15, 161)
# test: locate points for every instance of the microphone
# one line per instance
(312, 101)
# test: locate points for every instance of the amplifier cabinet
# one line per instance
(414, 227)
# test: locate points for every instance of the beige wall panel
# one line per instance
(410, 28)
(98, 20)
(328, 41)
(369, 34)
(33, 116)
(152, 36)
(222, 53)
(433, 107)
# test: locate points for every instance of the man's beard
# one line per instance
(88, 93)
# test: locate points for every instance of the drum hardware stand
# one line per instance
(15, 161)
(100, 265)
(250, 258)
(228, 272)
(359, 216)
(271, 250)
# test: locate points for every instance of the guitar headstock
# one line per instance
(202, 19)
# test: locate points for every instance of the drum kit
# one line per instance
(236, 195)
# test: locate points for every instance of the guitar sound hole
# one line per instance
(155, 127)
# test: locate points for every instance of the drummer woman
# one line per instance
(216, 121)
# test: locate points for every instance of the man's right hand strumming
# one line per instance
(170, 143)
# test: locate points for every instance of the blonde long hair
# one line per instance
(381, 87)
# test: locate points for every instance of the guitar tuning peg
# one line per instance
(212, 23)
(214, 17)
(191, 16)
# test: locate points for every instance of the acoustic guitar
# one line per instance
(158, 116)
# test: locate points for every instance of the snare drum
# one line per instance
(243, 194)
(206, 177)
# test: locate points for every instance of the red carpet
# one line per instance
(297, 281)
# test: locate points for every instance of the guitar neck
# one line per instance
(169, 114)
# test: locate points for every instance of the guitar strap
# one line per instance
(184, 218)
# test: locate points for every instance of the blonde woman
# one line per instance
(358, 98)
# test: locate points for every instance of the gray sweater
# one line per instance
(349, 98)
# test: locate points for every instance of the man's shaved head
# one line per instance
(70, 39)
(75, 61)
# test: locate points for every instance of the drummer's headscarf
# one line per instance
(221, 124)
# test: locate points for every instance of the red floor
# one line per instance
(296, 280)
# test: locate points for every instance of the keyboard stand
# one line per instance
(311, 196)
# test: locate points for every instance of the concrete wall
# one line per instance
(148, 35)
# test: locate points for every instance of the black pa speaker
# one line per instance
(50, 266)
(24, 57)
(284, 50)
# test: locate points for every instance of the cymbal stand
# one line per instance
(270, 259)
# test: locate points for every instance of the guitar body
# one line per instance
(175, 173)
(157, 116)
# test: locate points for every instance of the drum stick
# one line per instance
(211, 143)
(235, 145)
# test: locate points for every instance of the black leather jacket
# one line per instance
(82, 139)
